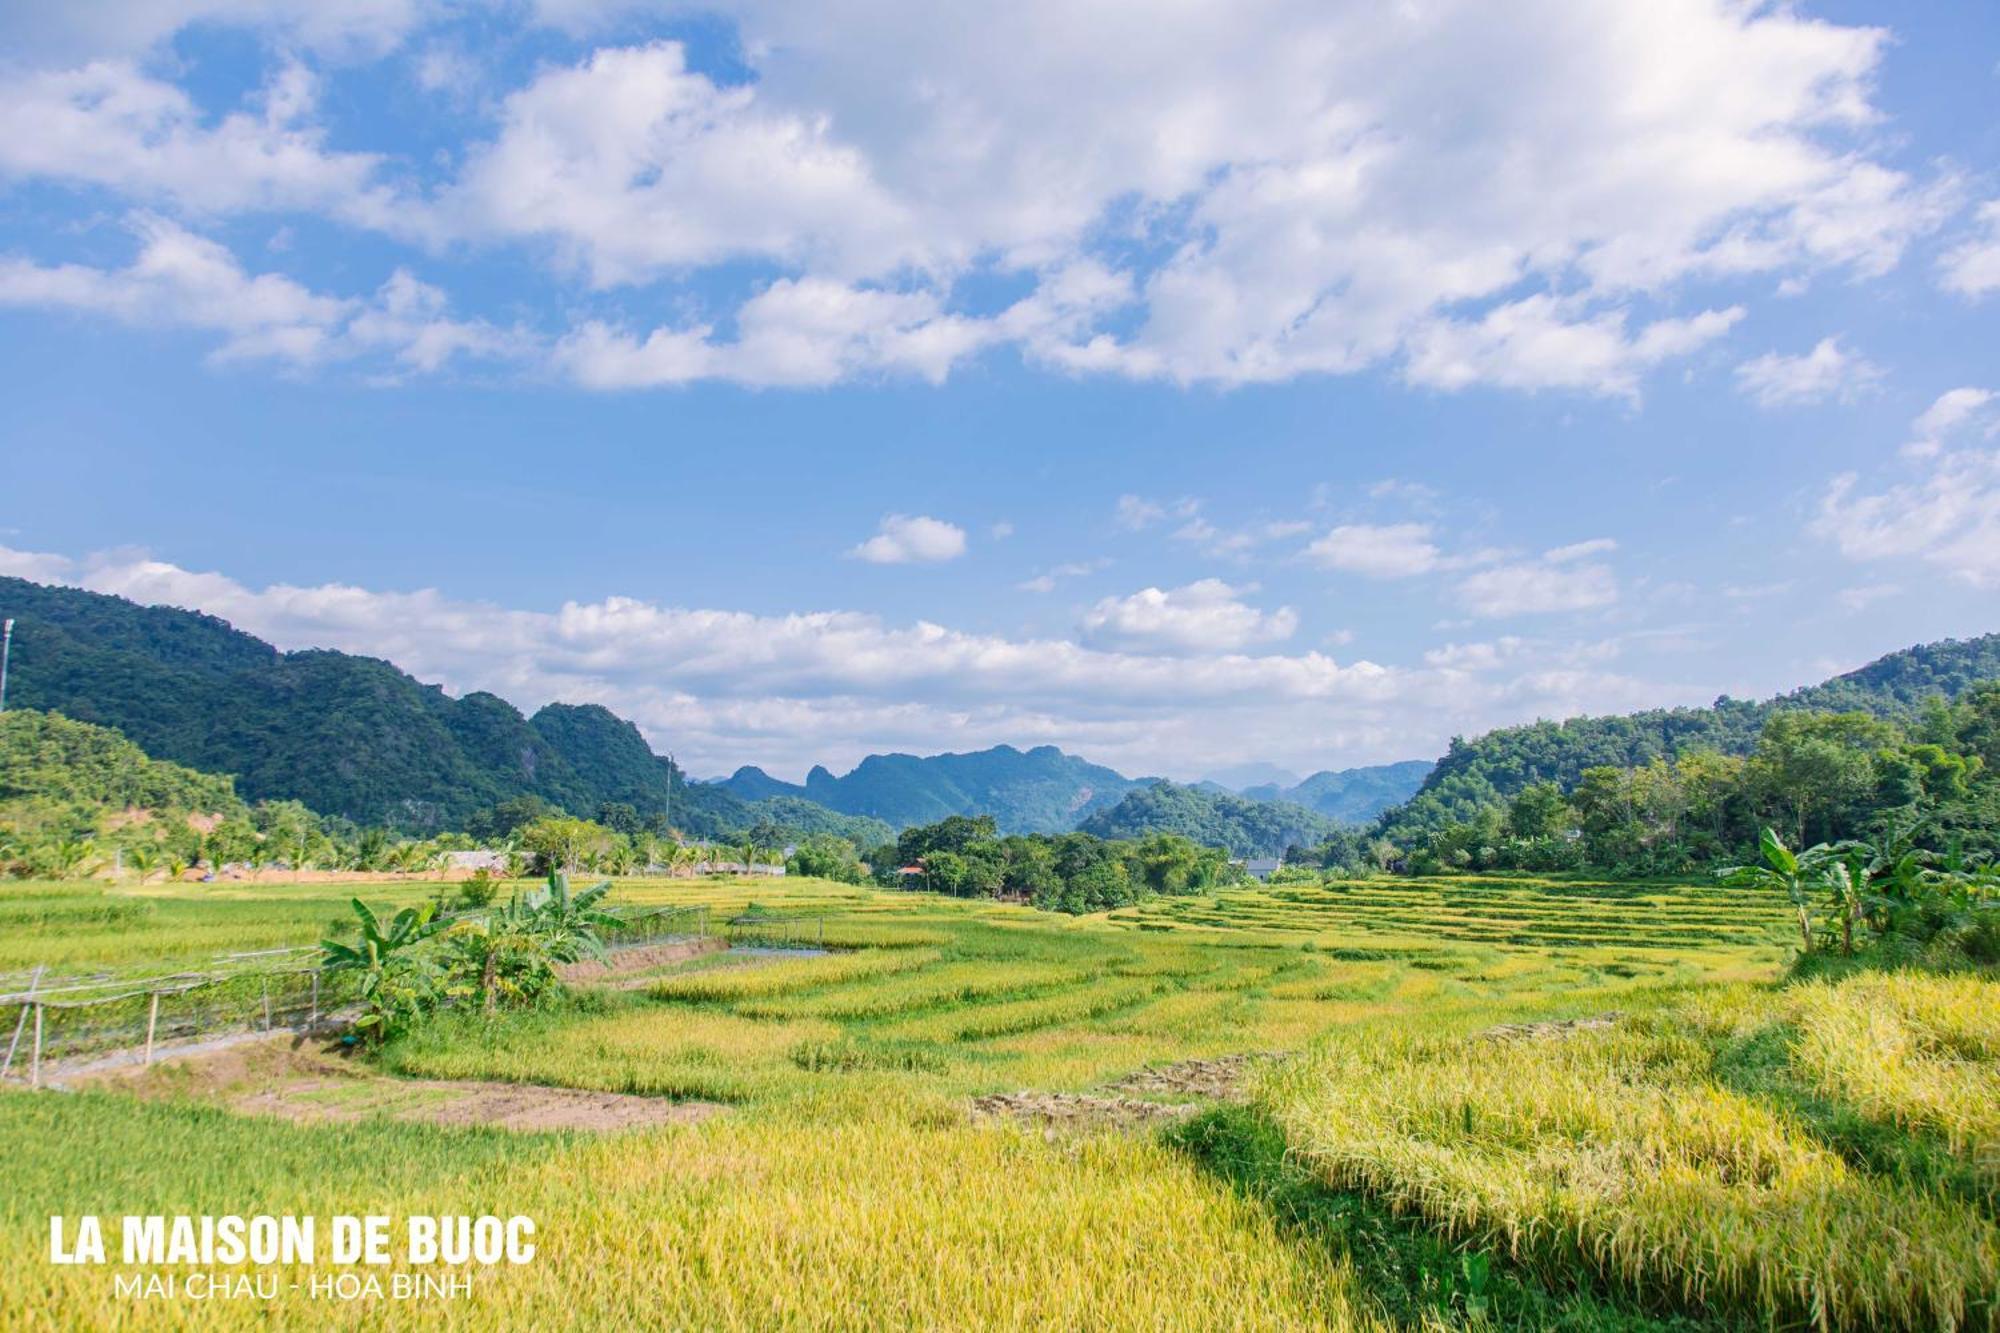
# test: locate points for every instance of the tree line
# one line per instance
(1814, 777)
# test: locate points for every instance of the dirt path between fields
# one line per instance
(306, 1080)
(1128, 1102)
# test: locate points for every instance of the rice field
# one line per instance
(1732, 1152)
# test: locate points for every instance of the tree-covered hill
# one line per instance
(347, 735)
(1210, 818)
(1041, 790)
(1483, 773)
(47, 757)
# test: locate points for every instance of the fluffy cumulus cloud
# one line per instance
(107, 124)
(1828, 371)
(1207, 616)
(904, 539)
(181, 280)
(1220, 193)
(1944, 510)
(724, 687)
(1383, 551)
(1568, 578)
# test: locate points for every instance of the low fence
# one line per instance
(67, 1018)
(775, 932)
(58, 1019)
(654, 925)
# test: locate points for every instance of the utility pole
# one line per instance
(6, 650)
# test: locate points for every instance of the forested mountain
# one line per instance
(1482, 773)
(346, 735)
(1246, 827)
(1350, 795)
(1041, 790)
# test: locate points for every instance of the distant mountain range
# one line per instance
(1041, 790)
(1347, 796)
(355, 736)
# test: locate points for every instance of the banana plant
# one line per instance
(393, 985)
(1794, 874)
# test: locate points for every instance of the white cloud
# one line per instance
(1564, 579)
(181, 280)
(723, 687)
(904, 539)
(1828, 371)
(1207, 616)
(1382, 551)
(1136, 513)
(1279, 162)
(795, 332)
(1946, 514)
(1047, 580)
(1972, 267)
(1541, 342)
(109, 125)
(631, 164)
(1563, 555)
(1953, 409)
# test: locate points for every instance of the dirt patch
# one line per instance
(643, 958)
(1222, 1078)
(1546, 1031)
(1059, 1112)
(307, 1081)
(1128, 1102)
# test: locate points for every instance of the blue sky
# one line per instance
(1301, 383)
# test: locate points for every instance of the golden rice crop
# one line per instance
(1922, 1051)
(1615, 1152)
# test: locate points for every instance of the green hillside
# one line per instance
(1215, 819)
(1483, 773)
(45, 757)
(346, 735)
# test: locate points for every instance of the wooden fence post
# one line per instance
(312, 1019)
(267, 1004)
(152, 1024)
(35, 1066)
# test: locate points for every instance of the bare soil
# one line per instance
(306, 1080)
(1059, 1112)
(1550, 1030)
(1221, 1078)
(1128, 1102)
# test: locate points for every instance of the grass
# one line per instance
(1736, 1152)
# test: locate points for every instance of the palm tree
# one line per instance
(142, 857)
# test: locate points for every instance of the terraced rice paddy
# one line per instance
(1394, 1171)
